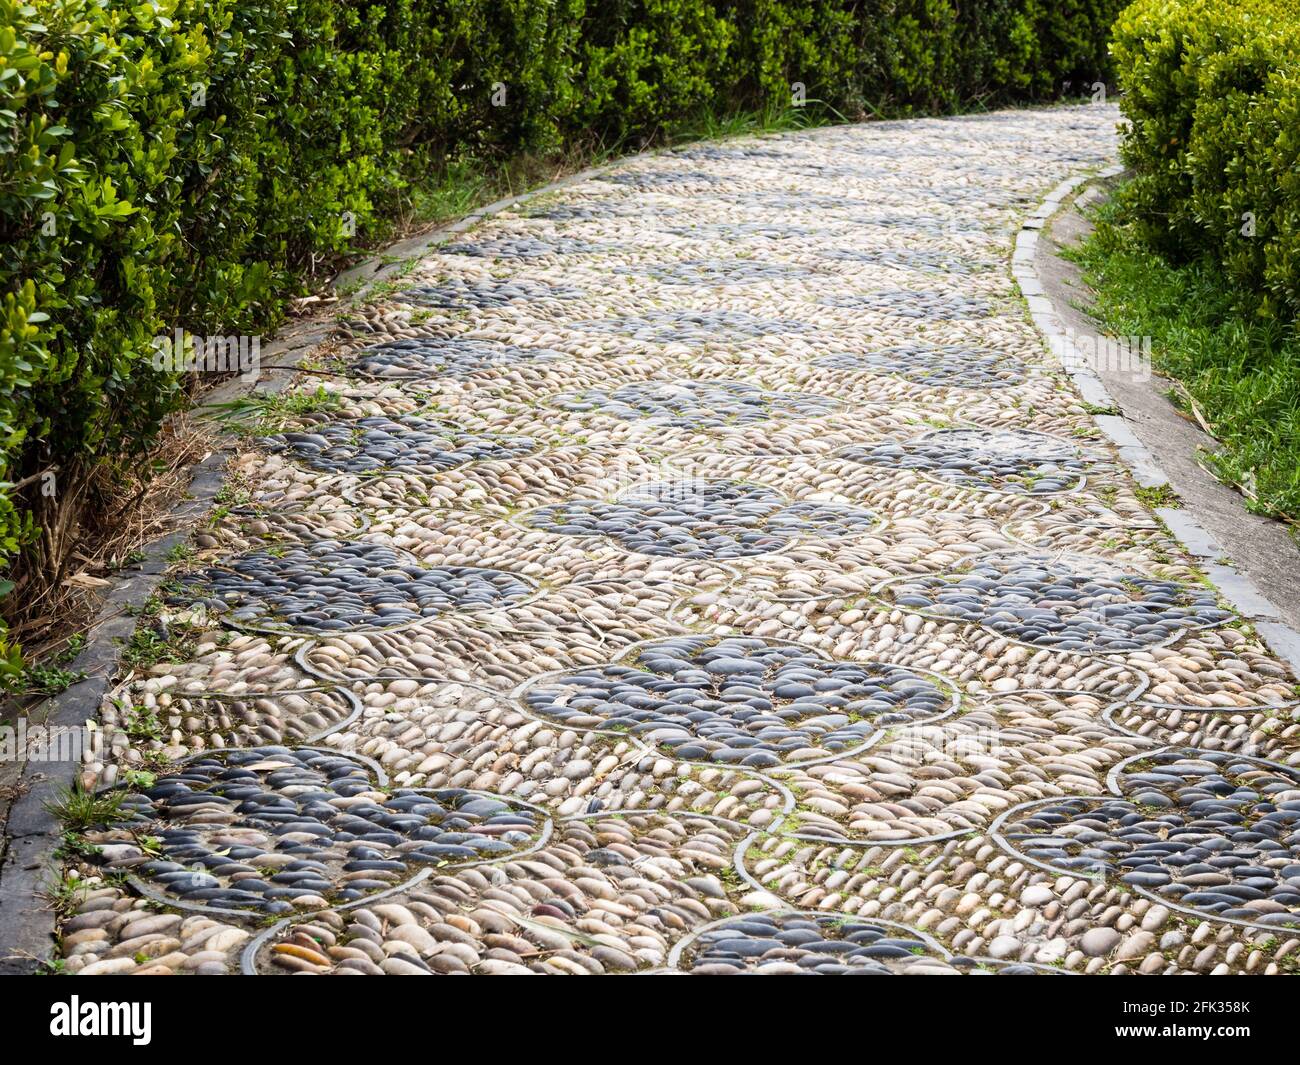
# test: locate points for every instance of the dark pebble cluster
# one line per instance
(724, 231)
(934, 304)
(458, 294)
(1206, 830)
(524, 248)
(405, 443)
(275, 830)
(328, 585)
(812, 944)
(711, 272)
(702, 519)
(419, 357)
(697, 404)
(738, 700)
(991, 460)
(692, 327)
(1049, 604)
(946, 366)
(792, 201)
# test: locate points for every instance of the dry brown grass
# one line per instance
(94, 528)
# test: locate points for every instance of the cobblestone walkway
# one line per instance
(708, 569)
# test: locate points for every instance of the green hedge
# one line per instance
(188, 163)
(1212, 95)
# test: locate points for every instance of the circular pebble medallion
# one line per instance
(422, 357)
(810, 944)
(692, 327)
(934, 304)
(329, 585)
(1062, 603)
(379, 444)
(946, 366)
(458, 294)
(1214, 832)
(276, 831)
(696, 404)
(738, 699)
(694, 519)
(990, 460)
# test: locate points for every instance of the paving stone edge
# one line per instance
(1233, 585)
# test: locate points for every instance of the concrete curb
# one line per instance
(1233, 585)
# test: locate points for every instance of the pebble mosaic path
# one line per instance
(706, 568)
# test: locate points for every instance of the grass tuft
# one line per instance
(1242, 370)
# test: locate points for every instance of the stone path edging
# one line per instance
(1235, 587)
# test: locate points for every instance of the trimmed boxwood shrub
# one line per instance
(1212, 95)
(190, 163)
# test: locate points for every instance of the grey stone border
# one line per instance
(1233, 586)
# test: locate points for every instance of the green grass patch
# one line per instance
(262, 414)
(79, 809)
(1240, 369)
(1160, 495)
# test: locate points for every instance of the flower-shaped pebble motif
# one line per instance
(1062, 605)
(738, 699)
(1215, 832)
(327, 585)
(379, 445)
(990, 460)
(694, 519)
(276, 830)
(693, 404)
(947, 366)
